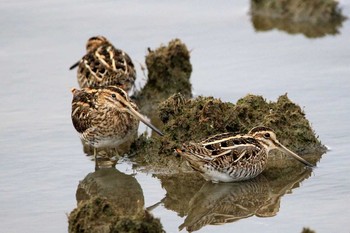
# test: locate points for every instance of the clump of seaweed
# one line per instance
(314, 18)
(195, 119)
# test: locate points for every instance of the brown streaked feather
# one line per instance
(219, 137)
(106, 65)
(227, 151)
(83, 108)
(230, 158)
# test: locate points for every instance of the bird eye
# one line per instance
(266, 135)
(113, 95)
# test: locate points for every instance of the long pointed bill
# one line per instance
(144, 120)
(297, 157)
(74, 65)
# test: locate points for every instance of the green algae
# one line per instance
(314, 18)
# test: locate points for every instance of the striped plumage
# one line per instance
(229, 158)
(105, 117)
(105, 65)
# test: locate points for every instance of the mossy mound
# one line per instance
(169, 65)
(314, 18)
(196, 119)
(99, 215)
(169, 71)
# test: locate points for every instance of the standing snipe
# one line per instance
(105, 117)
(228, 158)
(105, 65)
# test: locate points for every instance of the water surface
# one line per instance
(41, 155)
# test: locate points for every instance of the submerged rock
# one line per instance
(313, 18)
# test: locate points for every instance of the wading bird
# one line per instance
(229, 158)
(105, 117)
(105, 65)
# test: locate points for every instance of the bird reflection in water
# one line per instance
(216, 204)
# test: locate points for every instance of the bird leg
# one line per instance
(95, 156)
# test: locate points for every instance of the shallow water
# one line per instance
(41, 155)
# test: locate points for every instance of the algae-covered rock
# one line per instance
(195, 119)
(313, 18)
(170, 66)
(169, 71)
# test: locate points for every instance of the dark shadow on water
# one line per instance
(313, 19)
(111, 201)
(205, 203)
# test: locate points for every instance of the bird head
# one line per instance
(94, 42)
(267, 137)
(116, 98)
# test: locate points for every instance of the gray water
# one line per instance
(41, 158)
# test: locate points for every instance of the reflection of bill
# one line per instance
(221, 203)
(311, 18)
(110, 201)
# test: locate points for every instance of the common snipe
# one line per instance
(105, 117)
(228, 158)
(105, 65)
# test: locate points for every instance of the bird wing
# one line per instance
(114, 59)
(230, 147)
(83, 109)
(106, 66)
